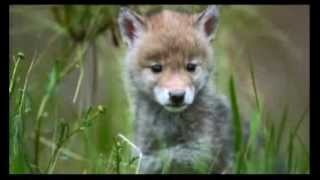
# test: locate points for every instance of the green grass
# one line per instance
(251, 157)
(89, 142)
(262, 153)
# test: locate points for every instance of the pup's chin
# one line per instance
(175, 109)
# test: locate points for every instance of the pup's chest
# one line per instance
(176, 129)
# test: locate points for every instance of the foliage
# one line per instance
(73, 143)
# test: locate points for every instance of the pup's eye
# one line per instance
(156, 68)
(191, 67)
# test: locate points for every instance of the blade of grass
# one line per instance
(254, 84)
(135, 148)
(18, 121)
(295, 131)
(64, 151)
(19, 57)
(305, 151)
(78, 83)
(281, 128)
(118, 148)
(25, 86)
(167, 160)
(236, 125)
(53, 80)
(269, 155)
(236, 115)
(290, 152)
(254, 125)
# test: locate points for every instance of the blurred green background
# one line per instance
(275, 39)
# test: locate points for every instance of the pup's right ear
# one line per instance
(131, 25)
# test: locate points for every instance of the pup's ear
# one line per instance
(207, 21)
(131, 25)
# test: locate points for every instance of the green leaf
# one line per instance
(53, 79)
(236, 116)
(254, 126)
(290, 151)
(281, 128)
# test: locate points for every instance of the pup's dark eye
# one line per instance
(156, 68)
(191, 67)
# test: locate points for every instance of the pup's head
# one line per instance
(169, 57)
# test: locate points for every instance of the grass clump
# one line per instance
(259, 147)
(259, 150)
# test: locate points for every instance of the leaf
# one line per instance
(236, 116)
(281, 128)
(53, 79)
(254, 126)
(64, 132)
(290, 152)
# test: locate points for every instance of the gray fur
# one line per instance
(202, 132)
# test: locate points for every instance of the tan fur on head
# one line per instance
(171, 35)
(172, 41)
(167, 19)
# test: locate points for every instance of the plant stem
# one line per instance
(38, 128)
(94, 72)
(78, 83)
(25, 86)
(46, 97)
(253, 78)
(56, 153)
(61, 143)
(135, 148)
(13, 77)
(81, 49)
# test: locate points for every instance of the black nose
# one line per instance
(177, 98)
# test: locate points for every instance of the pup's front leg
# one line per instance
(182, 158)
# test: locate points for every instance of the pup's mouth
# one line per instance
(175, 108)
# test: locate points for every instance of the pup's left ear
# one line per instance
(207, 21)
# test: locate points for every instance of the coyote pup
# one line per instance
(181, 124)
